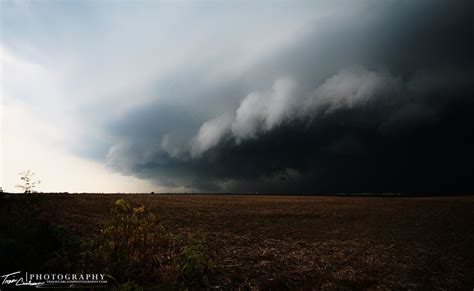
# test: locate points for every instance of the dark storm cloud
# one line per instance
(377, 102)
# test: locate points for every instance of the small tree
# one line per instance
(28, 184)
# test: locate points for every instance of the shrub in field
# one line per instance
(135, 248)
(194, 261)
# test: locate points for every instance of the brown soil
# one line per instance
(309, 242)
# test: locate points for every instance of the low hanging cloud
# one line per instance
(351, 88)
(263, 111)
(280, 140)
(210, 134)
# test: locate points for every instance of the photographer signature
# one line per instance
(11, 278)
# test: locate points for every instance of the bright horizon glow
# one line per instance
(27, 143)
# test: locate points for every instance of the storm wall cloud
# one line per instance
(296, 97)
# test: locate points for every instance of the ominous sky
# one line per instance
(239, 96)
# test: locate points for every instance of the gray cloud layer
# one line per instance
(356, 92)
(324, 96)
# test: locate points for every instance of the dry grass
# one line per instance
(321, 242)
